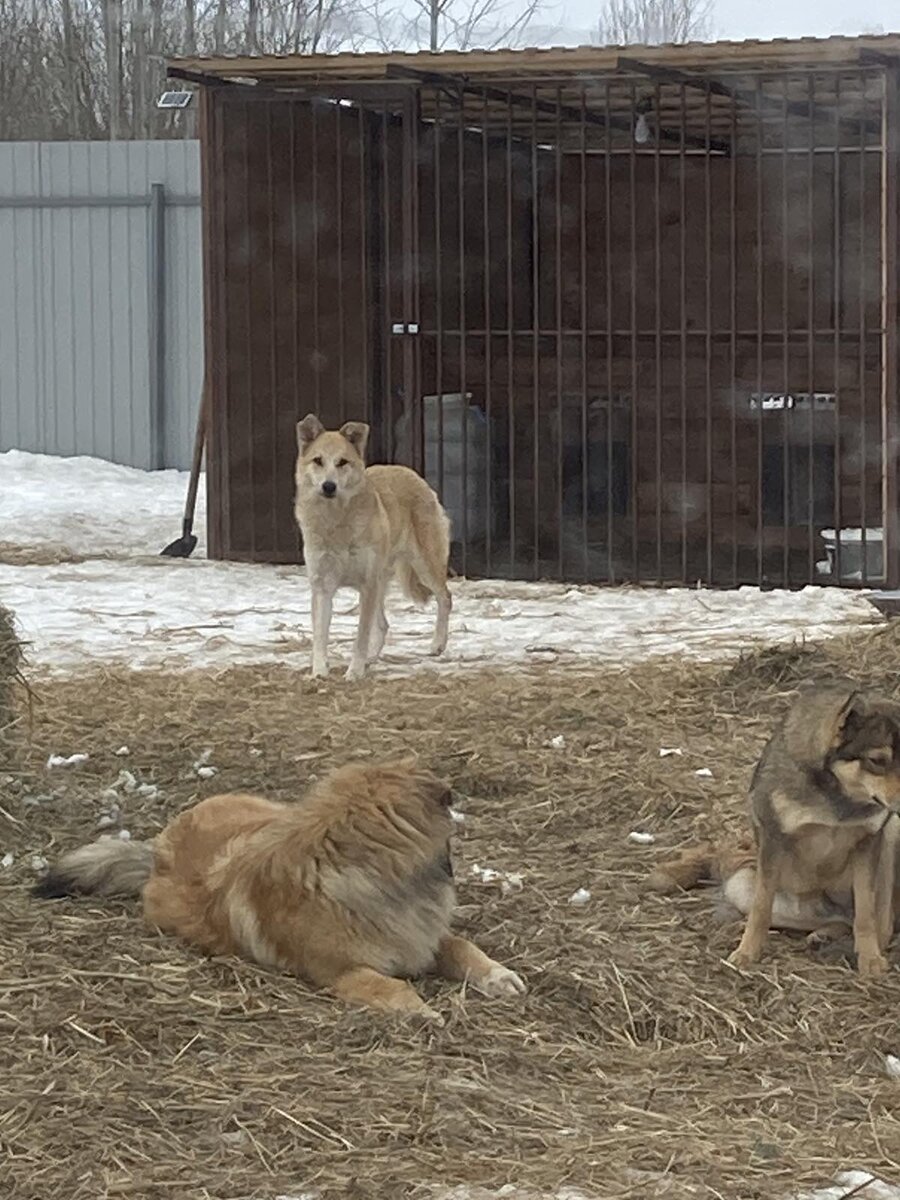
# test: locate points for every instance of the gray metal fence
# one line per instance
(101, 321)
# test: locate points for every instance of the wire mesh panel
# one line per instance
(633, 326)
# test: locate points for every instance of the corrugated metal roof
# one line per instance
(750, 55)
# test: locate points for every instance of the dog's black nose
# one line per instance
(329, 487)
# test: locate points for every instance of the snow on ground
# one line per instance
(75, 508)
(124, 604)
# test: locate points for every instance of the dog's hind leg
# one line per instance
(460, 960)
(362, 985)
(759, 918)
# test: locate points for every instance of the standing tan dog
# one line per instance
(823, 803)
(352, 889)
(360, 527)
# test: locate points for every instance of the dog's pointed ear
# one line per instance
(308, 430)
(816, 721)
(357, 434)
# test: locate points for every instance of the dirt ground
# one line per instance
(130, 1066)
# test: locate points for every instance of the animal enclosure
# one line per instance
(632, 313)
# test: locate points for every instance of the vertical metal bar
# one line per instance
(890, 196)
(682, 318)
(560, 413)
(811, 326)
(385, 222)
(463, 331)
(407, 298)
(837, 251)
(535, 329)
(274, 513)
(367, 307)
(488, 337)
(787, 414)
(510, 340)
(733, 317)
(157, 325)
(295, 281)
(635, 399)
(438, 135)
(759, 337)
(710, 504)
(249, 377)
(339, 250)
(610, 405)
(412, 116)
(862, 280)
(657, 285)
(583, 347)
(314, 171)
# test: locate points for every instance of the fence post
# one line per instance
(157, 325)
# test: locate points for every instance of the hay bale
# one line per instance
(11, 660)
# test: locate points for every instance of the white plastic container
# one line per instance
(463, 491)
(851, 541)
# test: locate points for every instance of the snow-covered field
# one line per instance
(80, 568)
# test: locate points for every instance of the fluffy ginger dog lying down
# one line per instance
(351, 888)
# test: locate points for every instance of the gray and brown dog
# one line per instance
(826, 834)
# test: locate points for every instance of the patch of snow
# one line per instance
(7, 860)
(206, 772)
(124, 835)
(457, 816)
(61, 760)
(670, 751)
(704, 773)
(510, 881)
(122, 752)
(641, 839)
(892, 1066)
(87, 508)
(147, 612)
(580, 897)
(558, 742)
(38, 862)
(861, 1185)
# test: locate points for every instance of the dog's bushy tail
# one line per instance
(426, 575)
(411, 585)
(105, 868)
(710, 862)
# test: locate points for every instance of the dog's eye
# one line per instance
(318, 461)
(341, 462)
(877, 765)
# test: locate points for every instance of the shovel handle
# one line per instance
(197, 461)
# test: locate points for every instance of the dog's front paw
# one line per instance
(356, 671)
(501, 981)
(872, 965)
(742, 958)
(319, 671)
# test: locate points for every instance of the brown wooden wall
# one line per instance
(695, 284)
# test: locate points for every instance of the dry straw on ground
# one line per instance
(10, 670)
(135, 1068)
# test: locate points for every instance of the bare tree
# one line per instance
(649, 22)
(451, 24)
(93, 68)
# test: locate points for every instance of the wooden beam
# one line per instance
(752, 99)
(502, 96)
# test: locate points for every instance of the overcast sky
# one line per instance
(773, 18)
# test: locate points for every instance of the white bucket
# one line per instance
(851, 541)
(452, 421)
